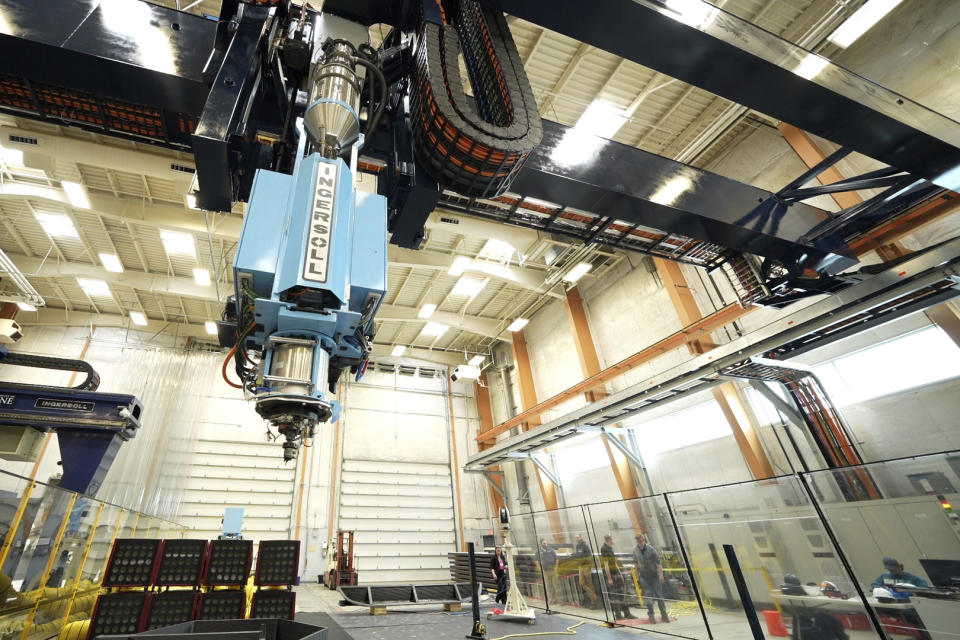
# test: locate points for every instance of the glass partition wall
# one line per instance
(795, 556)
(54, 547)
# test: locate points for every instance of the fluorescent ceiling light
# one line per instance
(11, 156)
(211, 327)
(668, 193)
(26, 306)
(577, 272)
(94, 288)
(138, 318)
(476, 361)
(434, 329)
(518, 324)
(398, 350)
(861, 21)
(178, 243)
(192, 201)
(601, 119)
(579, 144)
(426, 311)
(57, 225)
(461, 264)
(76, 194)
(811, 66)
(696, 13)
(201, 277)
(498, 250)
(468, 287)
(111, 262)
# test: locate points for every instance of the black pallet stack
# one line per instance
(184, 580)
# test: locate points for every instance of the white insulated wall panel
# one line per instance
(236, 473)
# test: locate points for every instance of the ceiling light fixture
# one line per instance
(577, 272)
(426, 311)
(201, 277)
(518, 324)
(111, 262)
(138, 318)
(94, 288)
(466, 372)
(498, 250)
(469, 287)
(579, 144)
(11, 157)
(211, 327)
(57, 225)
(178, 243)
(811, 66)
(861, 21)
(696, 13)
(26, 306)
(460, 264)
(76, 194)
(398, 350)
(476, 361)
(192, 202)
(434, 329)
(669, 192)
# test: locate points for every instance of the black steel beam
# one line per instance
(135, 52)
(624, 183)
(227, 110)
(737, 60)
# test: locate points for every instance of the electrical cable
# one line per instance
(375, 72)
(233, 351)
(569, 632)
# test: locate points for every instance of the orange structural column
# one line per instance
(727, 395)
(590, 366)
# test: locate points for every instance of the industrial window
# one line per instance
(580, 456)
(908, 361)
(684, 428)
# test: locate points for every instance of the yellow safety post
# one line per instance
(54, 550)
(83, 562)
(636, 585)
(766, 576)
(15, 523)
(116, 530)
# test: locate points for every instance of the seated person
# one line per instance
(895, 574)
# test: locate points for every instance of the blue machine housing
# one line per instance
(313, 253)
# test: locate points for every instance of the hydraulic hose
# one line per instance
(373, 118)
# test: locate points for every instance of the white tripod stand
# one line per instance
(516, 607)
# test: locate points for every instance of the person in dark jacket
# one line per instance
(548, 564)
(616, 587)
(498, 567)
(650, 571)
(584, 555)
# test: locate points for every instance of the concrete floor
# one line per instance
(318, 605)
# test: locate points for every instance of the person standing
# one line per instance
(616, 591)
(647, 559)
(584, 555)
(498, 567)
(548, 564)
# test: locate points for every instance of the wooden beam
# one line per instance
(485, 410)
(590, 365)
(699, 330)
(528, 398)
(748, 440)
(804, 146)
(727, 396)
